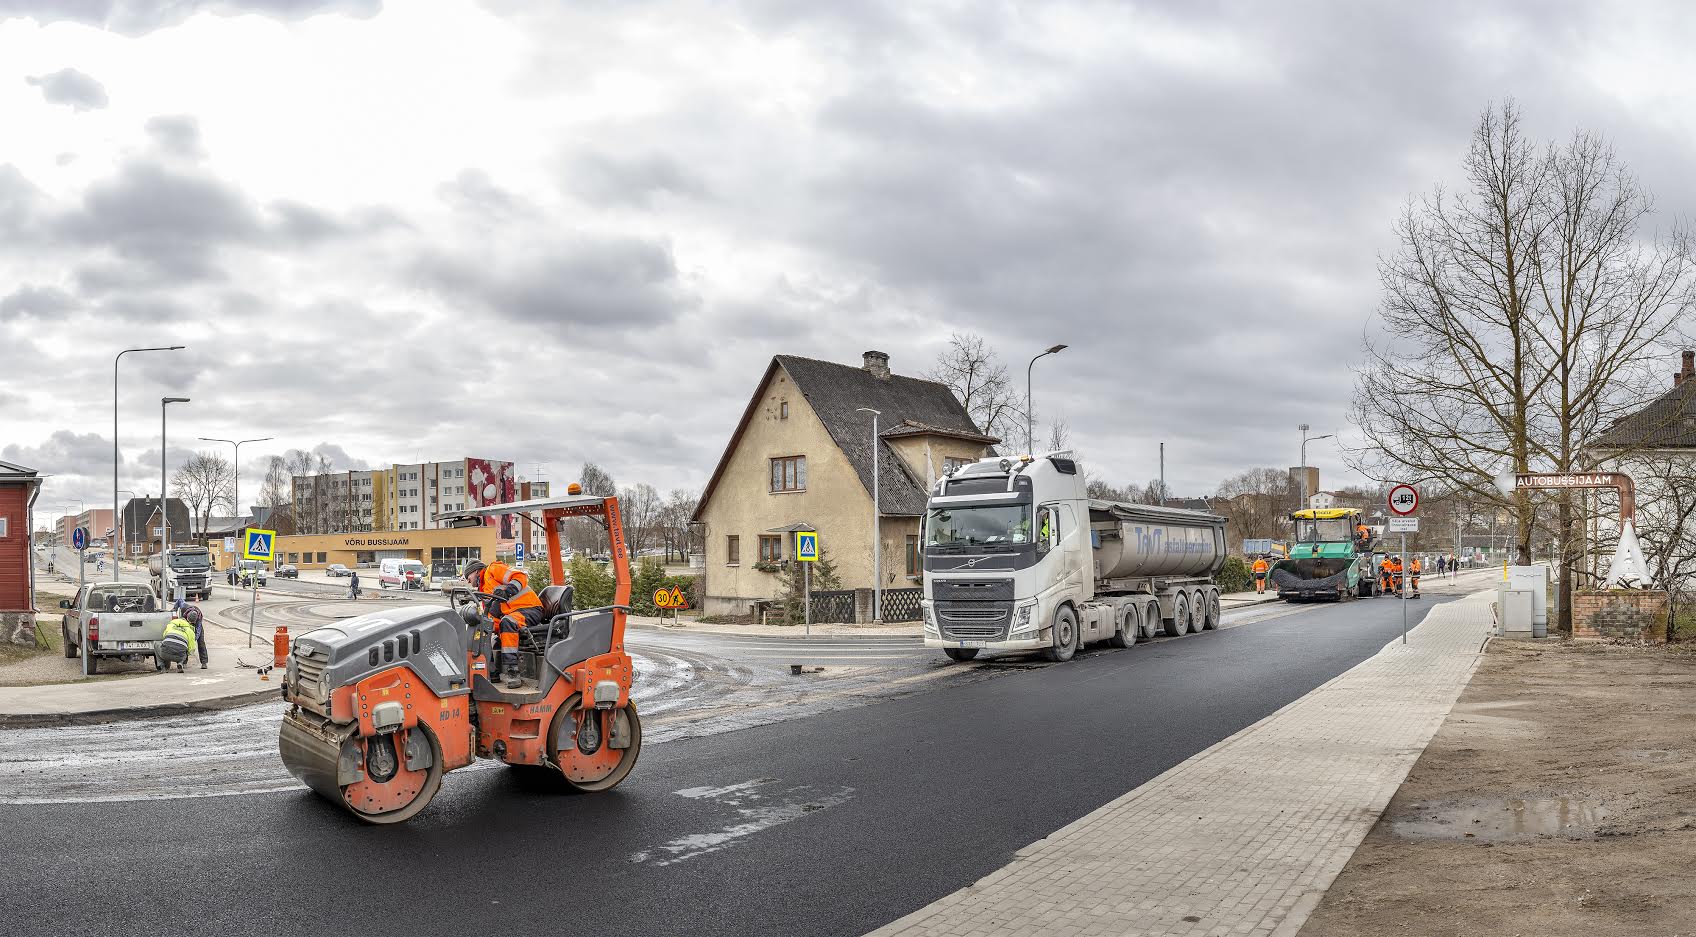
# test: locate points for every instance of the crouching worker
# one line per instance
(175, 647)
(511, 603)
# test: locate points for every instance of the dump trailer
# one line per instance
(1018, 557)
(1329, 559)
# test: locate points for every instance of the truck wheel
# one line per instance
(961, 654)
(1179, 624)
(1065, 645)
(1128, 628)
(65, 635)
(90, 663)
(1211, 612)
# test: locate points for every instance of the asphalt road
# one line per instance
(832, 823)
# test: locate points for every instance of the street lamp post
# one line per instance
(877, 523)
(117, 537)
(237, 465)
(1305, 439)
(164, 500)
(117, 572)
(1030, 415)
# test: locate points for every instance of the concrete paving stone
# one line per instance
(1246, 835)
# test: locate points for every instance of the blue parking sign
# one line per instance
(518, 551)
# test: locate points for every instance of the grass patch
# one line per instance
(48, 640)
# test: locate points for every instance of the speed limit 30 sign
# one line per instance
(1404, 500)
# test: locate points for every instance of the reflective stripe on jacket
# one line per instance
(182, 629)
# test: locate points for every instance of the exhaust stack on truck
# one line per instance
(1018, 557)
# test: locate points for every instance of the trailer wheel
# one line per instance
(1179, 624)
(1212, 612)
(961, 654)
(1150, 621)
(1129, 625)
(1065, 645)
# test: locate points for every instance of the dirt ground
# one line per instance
(1559, 798)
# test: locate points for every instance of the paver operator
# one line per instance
(512, 603)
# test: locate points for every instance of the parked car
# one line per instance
(286, 571)
(112, 619)
(401, 574)
(337, 571)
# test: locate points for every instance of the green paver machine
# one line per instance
(1330, 559)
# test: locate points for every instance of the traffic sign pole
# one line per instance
(257, 545)
(1405, 578)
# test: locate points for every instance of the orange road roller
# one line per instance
(384, 704)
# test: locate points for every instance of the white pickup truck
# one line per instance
(112, 619)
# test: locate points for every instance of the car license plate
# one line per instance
(974, 644)
(134, 645)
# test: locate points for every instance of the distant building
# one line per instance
(141, 523)
(801, 457)
(1656, 445)
(19, 488)
(404, 496)
(98, 521)
(1296, 489)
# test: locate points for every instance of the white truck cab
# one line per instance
(1017, 557)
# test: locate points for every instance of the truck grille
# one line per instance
(973, 621)
(972, 590)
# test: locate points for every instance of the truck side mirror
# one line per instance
(64, 603)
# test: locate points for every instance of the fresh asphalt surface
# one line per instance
(829, 824)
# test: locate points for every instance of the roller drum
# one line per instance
(313, 752)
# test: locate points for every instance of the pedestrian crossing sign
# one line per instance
(258, 545)
(807, 546)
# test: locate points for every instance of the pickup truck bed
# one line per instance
(124, 617)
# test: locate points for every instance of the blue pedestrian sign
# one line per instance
(807, 546)
(258, 545)
(79, 537)
(518, 551)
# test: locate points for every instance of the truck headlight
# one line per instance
(930, 617)
(1023, 618)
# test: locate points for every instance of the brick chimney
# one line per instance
(1687, 370)
(876, 363)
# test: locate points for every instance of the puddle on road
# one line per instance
(1500, 819)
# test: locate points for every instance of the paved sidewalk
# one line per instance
(1245, 837)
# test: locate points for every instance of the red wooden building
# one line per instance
(18, 489)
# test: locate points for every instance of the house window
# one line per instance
(783, 410)
(915, 564)
(789, 473)
(771, 549)
(732, 550)
(950, 465)
(5, 529)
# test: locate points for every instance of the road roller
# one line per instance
(382, 705)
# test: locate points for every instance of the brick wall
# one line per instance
(1619, 615)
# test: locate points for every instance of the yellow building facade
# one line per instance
(442, 551)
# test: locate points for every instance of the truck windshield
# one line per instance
(978, 525)
(189, 560)
(1325, 530)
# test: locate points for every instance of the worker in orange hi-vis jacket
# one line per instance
(1261, 567)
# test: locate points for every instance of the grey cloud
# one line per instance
(167, 223)
(630, 179)
(139, 17)
(42, 302)
(601, 284)
(474, 192)
(20, 199)
(176, 135)
(78, 90)
(65, 453)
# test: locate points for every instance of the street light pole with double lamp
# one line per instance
(877, 522)
(236, 466)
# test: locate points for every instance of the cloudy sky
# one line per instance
(553, 232)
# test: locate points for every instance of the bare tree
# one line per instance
(1513, 310)
(1257, 501)
(674, 518)
(584, 534)
(203, 483)
(974, 372)
(640, 504)
(1105, 491)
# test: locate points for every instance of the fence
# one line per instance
(901, 604)
(834, 605)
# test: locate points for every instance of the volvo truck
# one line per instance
(181, 572)
(1018, 557)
